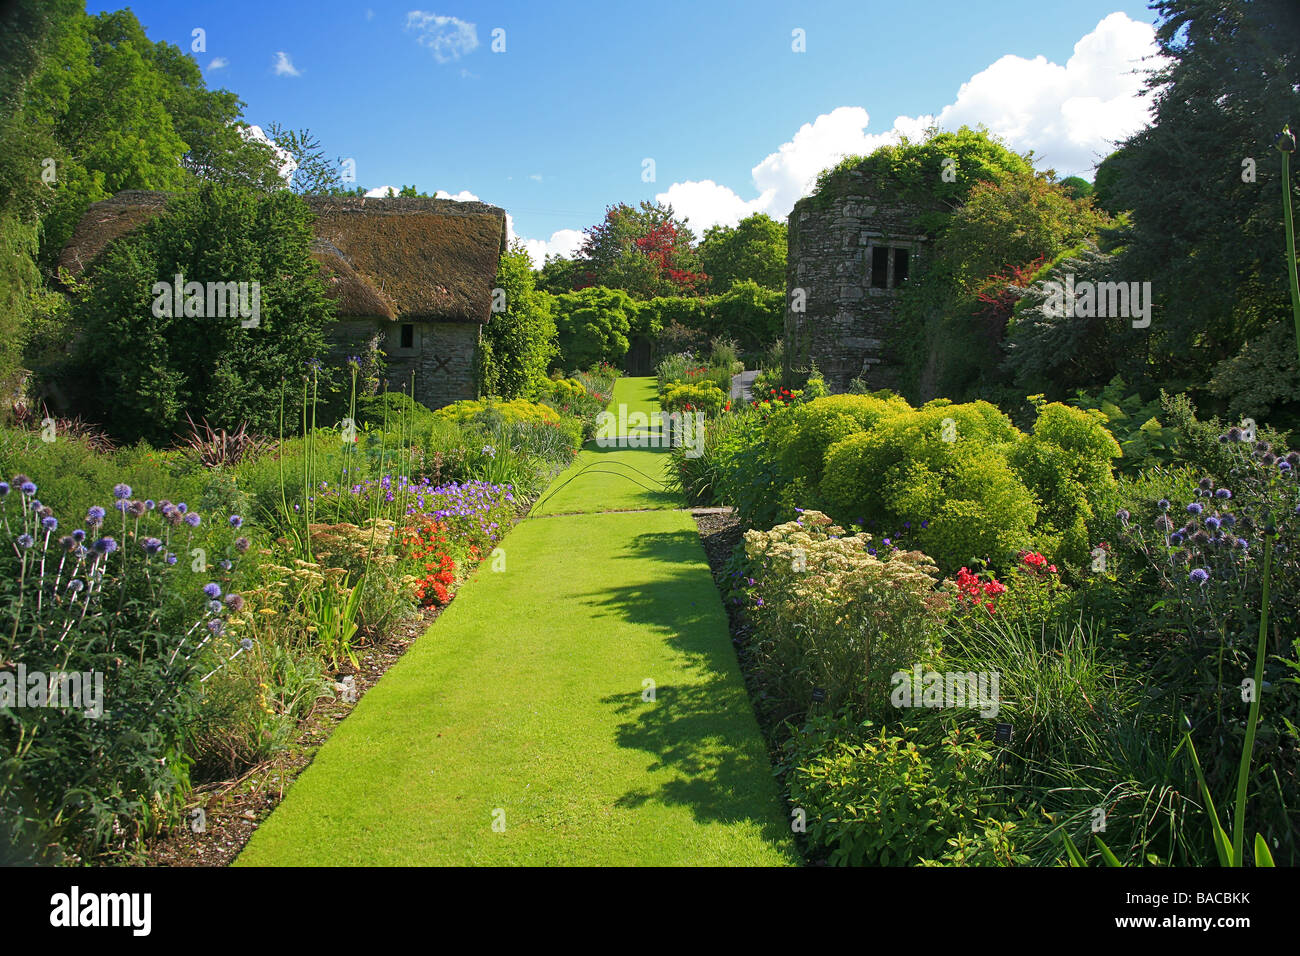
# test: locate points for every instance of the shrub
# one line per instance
(701, 397)
(814, 426)
(875, 799)
(831, 613)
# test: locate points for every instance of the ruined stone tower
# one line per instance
(852, 245)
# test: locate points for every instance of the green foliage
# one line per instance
(873, 798)
(804, 436)
(518, 344)
(703, 397)
(142, 373)
(1133, 423)
(645, 251)
(753, 250)
(593, 326)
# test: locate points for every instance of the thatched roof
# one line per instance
(398, 258)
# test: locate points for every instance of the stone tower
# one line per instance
(852, 245)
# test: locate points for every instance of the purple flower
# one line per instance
(105, 545)
(25, 541)
(1195, 508)
(95, 516)
(1199, 576)
(28, 488)
(241, 545)
(212, 590)
(170, 558)
(192, 520)
(182, 507)
(224, 565)
(236, 521)
(1212, 523)
(121, 491)
(1122, 517)
(1163, 504)
(1222, 493)
(216, 625)
(235, 602)
(4, 488)
(50, 523)
(149, 504)
(79, 535)
(121, 506)
(151, 545)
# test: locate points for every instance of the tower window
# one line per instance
(900, 266)
(408, 337)
(879, 266)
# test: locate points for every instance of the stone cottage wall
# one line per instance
(847, 327)
(442, 357)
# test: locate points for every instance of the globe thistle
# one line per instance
(138, 509)
(242, 545)
(1235, 434)
(1284, 466)
(224, 565)
(1198, 576)
(28, 487)
(246, 644)
(95, 516)
(49, 522)
(1293, 459)
(1222, 493)
(1268, 459)
(1241, 544)
(67, 543)
(234, 602)
(1122, 517)
(121, 506)
(25, 541)
(1262, 448)
(75, 585)
(1164, 524)
(214, 607)
(105, 545)
(79, 535)
(1229, 520)
(1212, 523)
(182, 507)
(236, 521)
(121, 491)
(192, 519)
(1205, 483)
(1200, 538)
(1195, 508)
(216, 625)
(151, 545)
(1176, 538)
(1163, 504)
(212, 590)
(150, 504)
(170, 558)
(4, 488)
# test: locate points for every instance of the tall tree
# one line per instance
(754, 249)
(645, 251)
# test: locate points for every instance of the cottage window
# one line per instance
(408, 337)
(879, 267)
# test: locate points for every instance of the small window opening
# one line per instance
(408, 336)
(900, 266)
(879, 266)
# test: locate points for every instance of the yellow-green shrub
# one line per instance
(804, 437)
(517, 410)
(699, 397)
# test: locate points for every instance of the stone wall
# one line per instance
(848, 325)
(443, 356)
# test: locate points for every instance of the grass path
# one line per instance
(525, 704)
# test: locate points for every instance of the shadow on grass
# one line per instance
(702, 728)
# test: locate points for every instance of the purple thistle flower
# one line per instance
(79, 535)
(241, 545)
(235, 602)
(182, 507)
(224, 565)
(121, 491)
(25, 541)
(192, 520)
(121, 506)
(212, 590)
(1222, 493)
(95, 516)
(105, 545)
(151, 545)
(236, 521)
(50, 523)
(4, 488)
(1195, 508)
(214, 607)
(28, 488)
(170, 558)
(1163, 504)
(1199, 576)
(216, 626)
(149, 504)
(1212, 523)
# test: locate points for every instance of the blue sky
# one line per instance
(558, 125)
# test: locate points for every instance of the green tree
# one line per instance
(141, 372)
(593, 325)
(313, 173)
(754, 249)
(519, 342)
(645, 251)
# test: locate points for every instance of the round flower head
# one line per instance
(212, 590)
(121, 506)
(151, 545)
(1212, 523)
(1235, 434)
(1122, 517)
(182, 507)
(1223, 493)
(150, 504)
(236, 521)
(1284, 466)
(1198, 576)
(75, 585)
(216, 626)
(242, 545)
(138, 509)
(1195, 508)
(1176, 538)
(246, 644)
(214, 607)
(1164, 524)
(1268, 458)
(105, 545)
(234, 602)
(224, 565)
(79, 535)
(49, 523)
(25, 541)
(1205, 483)
(67, 543)
(4, 488)
(1163, 504)
(28, 487)
(170, 558)
(121, 491)
(95, 516)
(192, 520)
(1262, 447)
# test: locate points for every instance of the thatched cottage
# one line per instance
(418, 271)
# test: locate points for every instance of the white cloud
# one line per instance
(1069, 115)
(379, 192)
(536, 177)
(287, 163)
(218, 63)
(283, 65)
(449, 38)
(463, 196)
